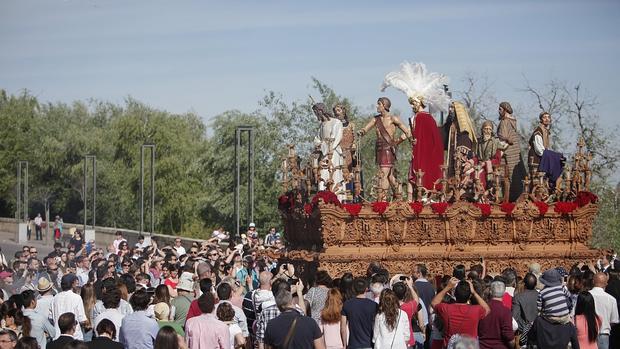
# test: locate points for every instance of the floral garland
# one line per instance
(353, 209)
(380, 206)
(440, 207)
(507, 207)
(416, 207)
(542, 207)
(485, 209)
(327, 196)
(565, 207)
(585, 197)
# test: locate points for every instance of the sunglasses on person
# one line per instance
(214, 254)
(126, 265)
(193, 252)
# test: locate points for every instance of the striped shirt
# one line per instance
(554, 301)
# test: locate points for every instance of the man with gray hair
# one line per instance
(291, 329)
(495, 330)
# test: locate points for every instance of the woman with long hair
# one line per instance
(161, 304)
(172, 280)
(63, 264)
(410, 304)
(317, 295)
(586, 321)
(123, 249)
(346, 287)
(167, 338)
(88, 299)
(15, 321)
(330, 320)
(391, 323)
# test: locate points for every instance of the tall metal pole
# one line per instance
(250, 173)
(251, 178)
(21, 211)
(90, 159)
(237, 179)
(152, 189)
(18, 194)
(151, 147)
(94, 190)
(85, 194)
(141, 190)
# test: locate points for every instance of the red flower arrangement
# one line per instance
(327, 196)
(565, 207)
(440, 207)
(485, 209)
(380, 206)
(585, 197)
(308, 209)
(507, 207)
(416, 207)
(542, 207)
(354, 209)
(286, 202)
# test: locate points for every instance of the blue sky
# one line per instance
(208, 57)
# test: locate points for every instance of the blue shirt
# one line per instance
(138, 331)
(243, 273)
(40, 325)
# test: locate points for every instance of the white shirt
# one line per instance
(44, 306)
(68, 302)
(606, 308)
(396, 338)
(113, 315)
(240, 319)
(38, 220)
(233, 330)
(180, 250)
(539, 147)
(82, 275)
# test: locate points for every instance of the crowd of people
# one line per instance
(227, 293)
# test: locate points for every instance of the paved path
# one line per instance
(9, 246)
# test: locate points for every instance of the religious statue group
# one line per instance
(448, 162)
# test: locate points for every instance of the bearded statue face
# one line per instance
(339, 112)
(487, 132)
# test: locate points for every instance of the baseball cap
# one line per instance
(252, 225)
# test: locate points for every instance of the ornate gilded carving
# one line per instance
(332, 239)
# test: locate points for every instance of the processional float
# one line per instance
(463, 215)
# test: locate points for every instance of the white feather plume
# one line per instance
(414, 80)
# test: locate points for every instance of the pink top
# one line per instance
(582, 333)
(331, 333)
(206, 331)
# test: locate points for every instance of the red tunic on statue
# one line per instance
(427, 153)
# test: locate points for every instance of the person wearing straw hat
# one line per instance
(44, 302)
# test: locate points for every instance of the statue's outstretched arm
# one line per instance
(366, 128)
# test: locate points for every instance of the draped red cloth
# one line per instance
(427, 153)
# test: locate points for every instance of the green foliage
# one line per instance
(606, 229)
(195, 168)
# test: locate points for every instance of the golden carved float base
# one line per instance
(330, 238)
